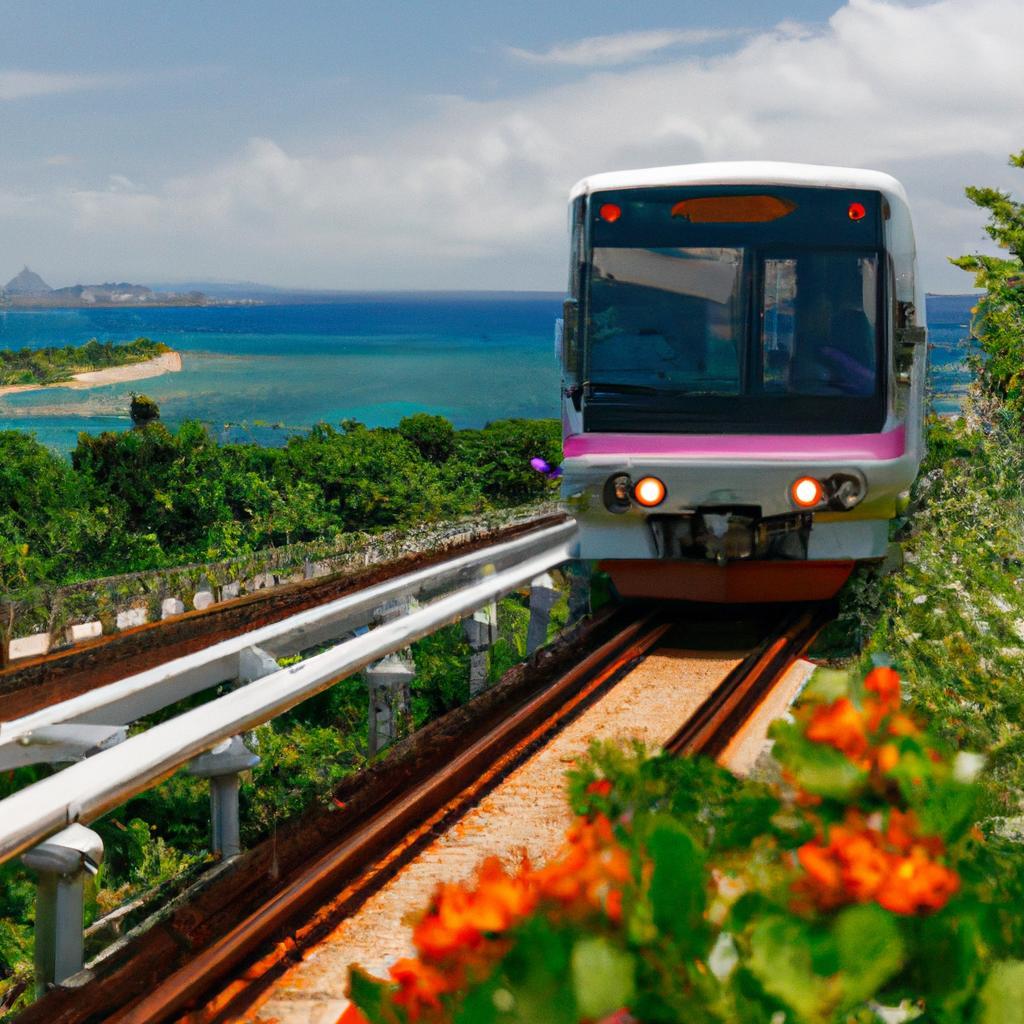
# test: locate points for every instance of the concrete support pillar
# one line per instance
(579, 590)
(222, 765)
(543, 597)
(481, 631)
(62, 862)
(388, 682)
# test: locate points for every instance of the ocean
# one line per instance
(262, 372)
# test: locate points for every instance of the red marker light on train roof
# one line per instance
(610, 212)
(649, 491)
(806, 492)
(856, 211)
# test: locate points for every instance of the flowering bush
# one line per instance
(858, 888)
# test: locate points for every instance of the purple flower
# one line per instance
(542, 466)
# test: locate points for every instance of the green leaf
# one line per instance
(1001, 1000)
(949, 810)
(817, 768)
(677, 884)
(871, 950)
(827, 685)
(603, 977)
(782, 958)
(481, 1006)
(370, 995)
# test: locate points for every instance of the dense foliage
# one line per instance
(53, 365)
(999, 323)
(151, 497)
(684, 894)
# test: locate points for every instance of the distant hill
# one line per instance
(27, 283)
(28, 289)
(267, 294)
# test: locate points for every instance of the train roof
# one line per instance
(745, 172)
(900, 230)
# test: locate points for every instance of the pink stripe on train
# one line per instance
(787, 447)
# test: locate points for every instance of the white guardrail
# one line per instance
(110, 768)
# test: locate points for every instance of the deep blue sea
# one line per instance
(262, 372)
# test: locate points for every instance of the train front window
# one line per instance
(732, 309)
(666, 320)
(819, 324)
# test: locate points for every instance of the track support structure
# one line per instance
(62, 863)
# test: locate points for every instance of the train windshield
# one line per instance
(761, 338)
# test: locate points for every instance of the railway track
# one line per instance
(221, 954)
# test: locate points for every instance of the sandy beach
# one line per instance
(169, 362)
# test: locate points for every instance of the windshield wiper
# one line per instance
(703, 387)
(624, 389)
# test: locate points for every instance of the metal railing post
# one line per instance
(388, 682)
(543, 597)
(481, 631)
(62, 863)
(222, 765)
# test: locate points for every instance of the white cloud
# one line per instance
(473, 194)
(17, 85)
(624, 48)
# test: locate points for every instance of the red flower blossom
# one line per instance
(839, 725)
(420, 987)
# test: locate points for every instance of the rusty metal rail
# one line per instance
(719, 718)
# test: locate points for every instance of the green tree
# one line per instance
(498, 458)
(434, 436)
(144, 410)
(999, 321)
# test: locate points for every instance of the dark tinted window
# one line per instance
(667, 319)
(818, 324)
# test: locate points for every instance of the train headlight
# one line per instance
(807, 492)
(649, 492)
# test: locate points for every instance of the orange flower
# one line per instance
(917, 885)
(503, 896)
(436, 939)
(600, 787)
(839, 725)
(887, 757)
(902, 725)
(885, 683)
(864, 865)
(419, 987)
(823, 873)
(461, 917)
(860, 863)
(613, 905)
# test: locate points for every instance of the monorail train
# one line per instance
(743, 362)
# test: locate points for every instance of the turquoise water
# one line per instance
(949, 318)
(375, 358)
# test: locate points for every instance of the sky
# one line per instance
(393, 145)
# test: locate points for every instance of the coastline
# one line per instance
(168, 362)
